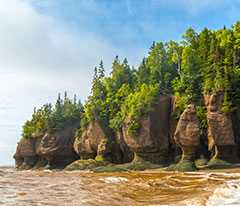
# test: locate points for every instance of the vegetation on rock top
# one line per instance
(49, 118)
(201, 63)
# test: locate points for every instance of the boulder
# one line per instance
(187, 136)
(57, 147)
(151, 143)
(221, 139)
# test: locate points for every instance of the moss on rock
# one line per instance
(154, 158)
(183, 165)
(201, 162)
(216, 163)
(87, 164)
(110, 168)
(24, 166)
(135, 165)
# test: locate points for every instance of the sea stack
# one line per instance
(187, 137)
(151, 143)
(221, 139)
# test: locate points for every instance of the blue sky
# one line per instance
(50, 46)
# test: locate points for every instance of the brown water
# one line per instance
(130, 189)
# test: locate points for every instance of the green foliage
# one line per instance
(47, 118)
(108, 94)
(180, 105)
(227, 107)
(209, 63)
(202, 116)
(202, 63)
(141, 102)
(133, 128)
(116, 122)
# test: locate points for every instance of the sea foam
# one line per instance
(227, 195)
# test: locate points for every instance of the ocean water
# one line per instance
(150, 188)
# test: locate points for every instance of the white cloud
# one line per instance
(41, 55)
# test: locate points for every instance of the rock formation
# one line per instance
(221, 139)
(54, 150)
(125, 154)
(151, 143)
(57, 147)
(159, 140)
(187, 136)
(93, 142)
(25, 156)
(42, 161)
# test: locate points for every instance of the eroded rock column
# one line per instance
(187, 137)
(221, 139)
(151, 143)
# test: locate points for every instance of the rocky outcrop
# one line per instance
(221, 139)
(187, 136)
(93, 142)
(57, 147)
(25, 156)
(48, 150)
(159, 140)
(42, 161)
(124, 153)
(98, 148)
(151, 143)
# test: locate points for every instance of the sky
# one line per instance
(52, 46)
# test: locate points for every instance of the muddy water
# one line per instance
(130, 189)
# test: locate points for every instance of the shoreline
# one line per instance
(158, 170)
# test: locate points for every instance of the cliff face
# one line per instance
(96, 142)
(221, 136)
(153, 135)
(158, 140)
(220, 126)
(26, 155)
(50, 150)
(92, 142)
(57, 147)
